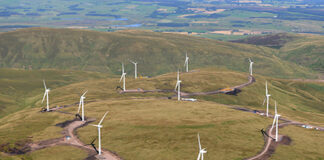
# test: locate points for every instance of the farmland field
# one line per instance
(164, 16)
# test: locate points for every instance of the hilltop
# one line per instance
(156, 53)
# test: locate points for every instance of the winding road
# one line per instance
(71, 126)
(70, 138)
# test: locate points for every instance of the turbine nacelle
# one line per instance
(99, 126)
(203, 151)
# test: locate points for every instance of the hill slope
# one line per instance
(156, 53)
(156, 127)
(303, 49)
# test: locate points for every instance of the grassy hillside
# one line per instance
(301, 138)
(19, 87)
(303, 49)
(307, 50)
(156, 53)
(166, 129)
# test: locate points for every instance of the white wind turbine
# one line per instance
(186, 64)
(81, 105)
(275, 120)
(99, 137)
(178, 86)
(251, 64)
(123, 77)
(47, 90)
(201, 151)
(267, 98)
(135, 63)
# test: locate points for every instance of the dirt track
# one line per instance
(70, 130)
(270, 144)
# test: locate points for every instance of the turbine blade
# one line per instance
(265, 98)
(274, 120)
(103, 118)
(44, 97)
(79, 105)
(121, 78)
(198, 158)
(275, 107)
(84, 93)
(44, 84)
(199, 142)
(178, 76)
(123, 67)
(266, 88)
(176, 86)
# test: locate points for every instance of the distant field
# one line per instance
(175, 16)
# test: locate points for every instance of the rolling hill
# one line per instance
(19, 87)
(303, 49)
(149, 125)
(146, 126)
(156, 53)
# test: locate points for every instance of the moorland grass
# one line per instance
(306, 144)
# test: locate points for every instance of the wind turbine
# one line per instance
(251, 64)
(81, 105)
(123, 77)
(47, 90)
(275, 120)
(186, 64)
(135, 63)
(267, 98)
(178, 86)
(201, 151)
(99, 138)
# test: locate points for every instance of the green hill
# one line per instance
(139, 128)
(19, 87)
(303, 49)
(156, 53)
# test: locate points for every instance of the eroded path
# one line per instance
(70, 138)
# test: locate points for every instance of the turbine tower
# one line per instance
(251, 64)
(99, 137)
(123, 77)
(275, 120)
(47, 90)
(135, 63)
(267, 98)
(178, 86)
(201, 151)
(81, 105)
(186, 64)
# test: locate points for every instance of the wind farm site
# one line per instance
(134, 94)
